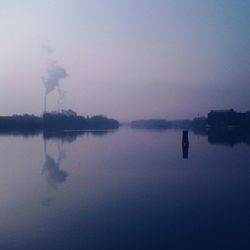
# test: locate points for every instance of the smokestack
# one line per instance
(45, 103)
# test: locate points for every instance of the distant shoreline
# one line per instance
(65, 120)
(216, 119)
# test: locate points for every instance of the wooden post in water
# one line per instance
(185, 141)
(45, 103)
(185, 144)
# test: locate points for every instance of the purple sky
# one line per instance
(126, 59)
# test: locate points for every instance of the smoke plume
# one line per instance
(61, 95)
(55, 73)
(47, 48)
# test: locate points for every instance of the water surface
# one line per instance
(126, 189)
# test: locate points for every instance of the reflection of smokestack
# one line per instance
(45, 146)
(45, 104)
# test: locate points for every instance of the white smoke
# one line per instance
(47, 48)
(55, 73)
(61, 96)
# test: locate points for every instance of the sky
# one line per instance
(126, 59)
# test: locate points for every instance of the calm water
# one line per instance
(128, 189)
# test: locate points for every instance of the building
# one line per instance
(225, 118)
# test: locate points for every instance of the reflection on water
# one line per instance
(26, 133)
(185, 151)
(221, 136)
(229, 137)
(226, 136)
(125, 190)
(51, 169)
(62, 135)
(71, 135)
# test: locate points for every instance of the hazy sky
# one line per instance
(126, 59)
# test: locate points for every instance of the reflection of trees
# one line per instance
(50, 134)
(60, 135)
(20, 132)
(71, 135)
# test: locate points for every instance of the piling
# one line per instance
(185, 144)
(185, 141)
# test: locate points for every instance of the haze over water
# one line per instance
(81, 65)
(126, 189)
(126, 59)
